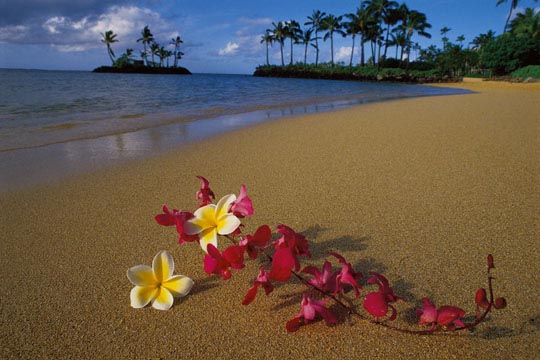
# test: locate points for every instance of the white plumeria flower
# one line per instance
(157, 284)
(211, 220)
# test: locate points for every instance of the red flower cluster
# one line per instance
(282, 260)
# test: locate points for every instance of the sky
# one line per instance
(220, 36)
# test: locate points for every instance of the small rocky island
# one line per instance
(157, 64)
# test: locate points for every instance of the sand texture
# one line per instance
(420, 190)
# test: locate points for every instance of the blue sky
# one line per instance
(220, 36)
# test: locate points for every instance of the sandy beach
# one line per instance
(420, 190)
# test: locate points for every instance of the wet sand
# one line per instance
(420, 190)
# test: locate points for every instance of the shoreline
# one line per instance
(420, 190)
(78, 156)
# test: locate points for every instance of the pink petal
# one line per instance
(375, 304)
(428, 313)
(282, 263)
(449, 314)
(242, 206)
(251, 294)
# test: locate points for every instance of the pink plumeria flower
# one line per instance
(157, 284)
(211, 220)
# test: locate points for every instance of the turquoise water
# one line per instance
(54, 123)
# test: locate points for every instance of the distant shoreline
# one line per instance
(142, 70)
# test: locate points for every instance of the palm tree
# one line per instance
(278, 34)
(391, 18)
(380, 11)
(414, 22)
(176, 42)
(363, 23)
(154, 50)
(332, 24)
(526, 23)
(353, 28)
(315, 21)
(108, 38)
(293, 32)
(161, 54)
(513, 6)
(460, 39)
(481, 40)
(444, 31)
(267, 39)
(306, 39)
(146, 38)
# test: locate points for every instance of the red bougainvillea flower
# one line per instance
(427, 314)
(378, 303)
(179, 219)
(347, 276)
(242, 206)
(263, 279)
(446, 316)
(257, 241)
(205, 194)
(290, 245)
(310, 309)
(450, 317)
(220, 264)
(325, 280)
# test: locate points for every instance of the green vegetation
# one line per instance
(383, 25)
(125, 63)
(531, 71)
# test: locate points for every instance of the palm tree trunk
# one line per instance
(362, 58)
(145, 54)
(282, 60)
(305, 54)
(291, 51)
(317, 48)
(332, 47)
(508, 18)
(386, 40)
(176, 56)
(110, 53)
(352, 50)
(267, 59)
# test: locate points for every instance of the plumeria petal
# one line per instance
(163, 266)
(178, 285)
(163, 300)
(208, 236)
(224, 204)
(141, 275)
(140, 296)
(227, 224)
(204, 219)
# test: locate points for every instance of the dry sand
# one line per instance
(420, 190)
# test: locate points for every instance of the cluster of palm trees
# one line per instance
(379, 23)
(150, 49)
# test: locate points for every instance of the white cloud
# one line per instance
(344, 54)
(52, 24)
(230, 49)
(13, 33)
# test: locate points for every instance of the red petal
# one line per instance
(210, 264)
(500, 303)
(235, 256)
(375, 304)
(282, 263)
(448, 314)
(262, 235)
(251, 294)
(481, 298)
(293, 325)
(490, 262)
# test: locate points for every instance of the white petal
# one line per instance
(227, 224)
(178, 285)
(141, 275)
(163, 265)
(224, 204)
(140, 296)
(163, 300)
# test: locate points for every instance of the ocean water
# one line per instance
(57, 122)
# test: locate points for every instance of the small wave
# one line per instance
(63, 126)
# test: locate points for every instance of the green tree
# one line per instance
(146, 38)
(352, 28)
(445, 30)
(315, 21)
(109, 38)
(154, 51)
(278, 34)
(293, 32)
(526, 23)
(307, 39)
(332, 24)
(509, 52)
(176, 42)
(267, 39)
